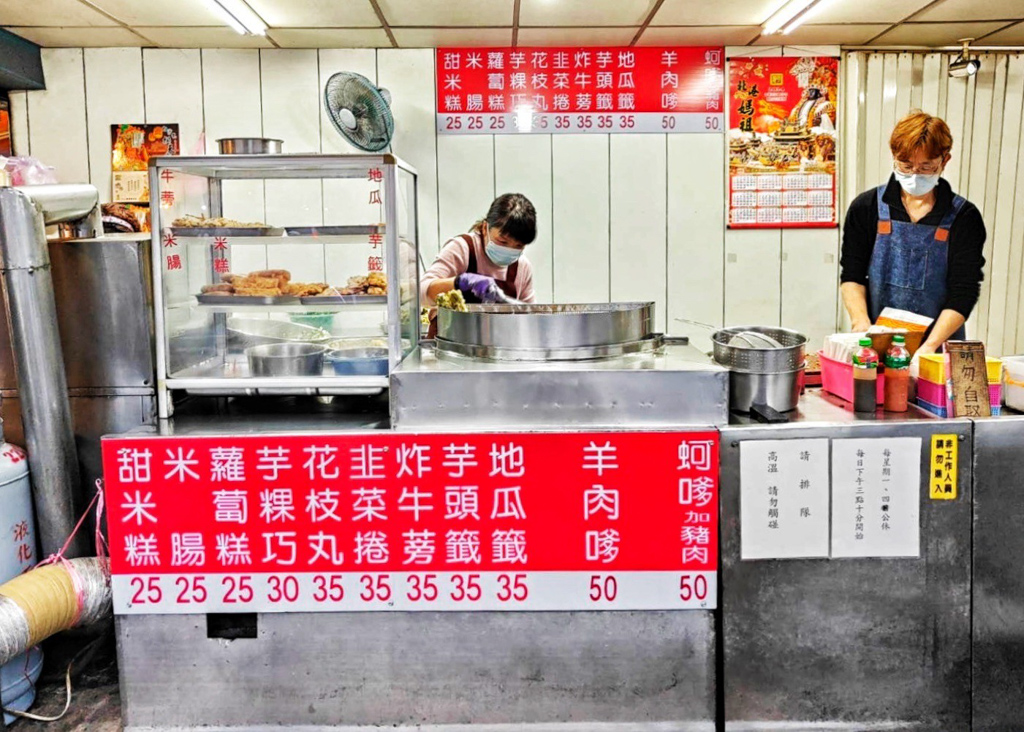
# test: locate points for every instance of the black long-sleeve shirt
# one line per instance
(966, 241)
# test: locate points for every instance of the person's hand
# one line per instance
(483, 288)
(860, 326)
(925, 349)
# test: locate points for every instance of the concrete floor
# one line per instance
(96, 699)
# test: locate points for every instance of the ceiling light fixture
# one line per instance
(790, 15)
(238, 15)
(963, 65)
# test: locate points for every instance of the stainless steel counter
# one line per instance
(677, 386)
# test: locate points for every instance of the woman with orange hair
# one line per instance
(913, 244)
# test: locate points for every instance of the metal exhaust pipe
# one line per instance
(42, 382)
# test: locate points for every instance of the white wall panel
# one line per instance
(930, 82)
(56, 116)
(174, 93)
(875, 138)
(809, 282)
(290, 83)
(233, 107)
(465, 173)
(753, 276)
(904, 77)
(696, 234)
(956, 98)
(580, 218)
(639, 257)
(19, 122)
(888, 116)
(522, 164)
(409, 75)
(1004, 269)
(113, 95)
(987, 117)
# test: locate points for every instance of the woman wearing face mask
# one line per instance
(487, 265)
(914, 244)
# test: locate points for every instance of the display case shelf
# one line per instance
(276, 232)
(195, 352)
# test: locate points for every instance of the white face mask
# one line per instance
(916, 184)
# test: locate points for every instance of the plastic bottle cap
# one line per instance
(865, 342)
(898, 339)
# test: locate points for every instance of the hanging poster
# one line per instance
(494, 91)
(132, 145)
(782, 142)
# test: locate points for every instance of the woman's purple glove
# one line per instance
(483, 288)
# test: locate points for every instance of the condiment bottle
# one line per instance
(897, 375)
(865, 378)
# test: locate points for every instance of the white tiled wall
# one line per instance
(620, 216)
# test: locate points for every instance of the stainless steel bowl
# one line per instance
(249, 146)
(780, 391)
(286, 359)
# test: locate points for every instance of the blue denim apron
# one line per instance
(909, 264)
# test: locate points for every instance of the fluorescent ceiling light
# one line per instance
(238, 15)
(790, 15)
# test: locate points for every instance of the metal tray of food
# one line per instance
(214, 298)
(364, 230)
(212, 231)
(546, 328)
(345, 300)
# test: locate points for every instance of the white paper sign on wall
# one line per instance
(784, 490)
(876, 505)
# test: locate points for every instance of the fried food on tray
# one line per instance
(223, 288)
(304, 289)
(358, 282)
(219, 222)
(376, 279)
(376, 291)
(453, 300)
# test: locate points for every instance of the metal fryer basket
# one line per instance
(760, 360)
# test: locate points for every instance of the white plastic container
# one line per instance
(1013, 382)
(18, 554)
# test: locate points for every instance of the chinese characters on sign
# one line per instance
(875, 497)
(968, 379)
(784, 491)
(573, 90)
(413, 522)
(782, 142)
(943, 468)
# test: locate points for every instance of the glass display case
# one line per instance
(282, 274)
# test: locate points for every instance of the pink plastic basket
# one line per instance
(837, 378)
(935, 394)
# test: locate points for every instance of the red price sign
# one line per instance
(574, 90)
(413, 522)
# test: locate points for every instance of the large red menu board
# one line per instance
(782, 142)
(579, 90)
(501, 521)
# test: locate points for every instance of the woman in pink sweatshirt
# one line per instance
(487, 265)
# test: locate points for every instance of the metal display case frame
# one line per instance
(200, 377)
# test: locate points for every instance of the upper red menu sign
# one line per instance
(386, 521)
(574, 90)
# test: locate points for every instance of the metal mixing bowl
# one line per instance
(246, 332)
(286, 359)
(249, 146)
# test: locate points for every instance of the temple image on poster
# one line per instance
(782, 141)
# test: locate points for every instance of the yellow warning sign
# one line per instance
(942, 471)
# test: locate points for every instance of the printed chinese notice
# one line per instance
(335, 523)
(784, 492)
(876, 488)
